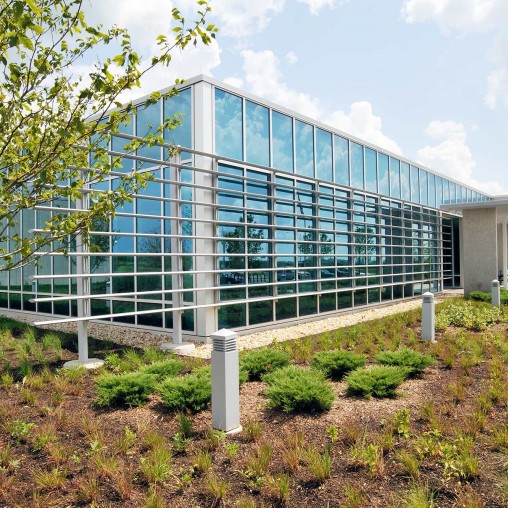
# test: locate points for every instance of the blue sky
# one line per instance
(425, 78)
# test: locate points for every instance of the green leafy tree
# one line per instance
(53, 124)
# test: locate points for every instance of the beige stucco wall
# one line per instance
(480, 249)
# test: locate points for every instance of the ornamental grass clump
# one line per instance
(336, 364)
(131, 389)
(405, 357)
(259, 362)
(295, 389)
(192, 392)
(376, 382)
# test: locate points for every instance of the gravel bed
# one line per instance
(130, 336)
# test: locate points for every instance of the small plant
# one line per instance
(231, 450)
(180, 442)
(376, 382)
(7, 380)
(185, 424)
(418, 496)
(404, 357)
(319, 464)
(499, 438)
(259, 362)
(192, 392)
(19, 430)
(257, 464)
(355, 498)
(252, 430)
(88, 489)
(51, 341)
(214, 438)
(42, 436)
(203, 461)
(156, 465)
(295, 389)
(333, 433)
(127, 440)
(278, 487)
(402, 424)
(336, 364)
(292, 452)
(50, 480)
(216, 488)
(130, 389)
(28, 397)
(409, 462)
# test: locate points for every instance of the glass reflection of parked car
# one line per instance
(283, 275)
(228, 278)
(327, 273)
(304, 275)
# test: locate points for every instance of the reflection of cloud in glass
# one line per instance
(228, 125)
(256, 126)
(282, 135)
(324, 170)
(304, 149)
(341, 158)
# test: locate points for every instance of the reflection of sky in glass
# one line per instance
(228, 125)
(147, 121)
(256, 133)
(415, 185)
(394, 178)
(384, 182)
(424, 193)
(181, 103)
(282, 138)
(357, 166)
(341, 160)
(370, 170)
(304, 149)
(324, 170)
(439, 191)
(404, 181)
(432, 190)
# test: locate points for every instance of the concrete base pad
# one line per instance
(232, 432)
(181, 348)
(91, 363)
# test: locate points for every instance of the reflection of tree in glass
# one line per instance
(364, 243)
(232, 247)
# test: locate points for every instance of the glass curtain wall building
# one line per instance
(280, 218)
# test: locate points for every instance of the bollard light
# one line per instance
(428, 317)
(496, 293)
(225, 382)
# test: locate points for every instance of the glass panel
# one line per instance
(180, 105)
(257, 134)
(424, 192)
(324, 169)
(404, 181)
(341, 160)
(304, 149)
(282, 141)
(370, 170)
(394, 178)
(415, 185)
(148, 119)
(118, 145)
(228, 125)
(432, 189)
(384, 179)
(357, 166)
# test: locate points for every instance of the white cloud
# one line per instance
(363, 123)
(465, 16)
(292, 57)
(452, 156)
(236, 82)
(316, 5)
(497, 88)
(239, 18)
(263, 78)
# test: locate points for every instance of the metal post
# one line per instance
(83, 289)
(225, 382)
(505, 254)
(428, 317)
(496, 293)
(176, 261)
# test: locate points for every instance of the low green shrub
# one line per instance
(376, 382)
(336, 364)
(192, 392)
(405, 357)
(258, 362)
(467, 315)
(480, 296)
(131, 389)
(164, 369)
(295, 389)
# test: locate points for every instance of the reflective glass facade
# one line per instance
(297, 220)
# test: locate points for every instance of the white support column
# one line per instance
(428, 317)
(496, 294)
(176, 261)
(206, 317)
(83, 289)
(505, 254)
